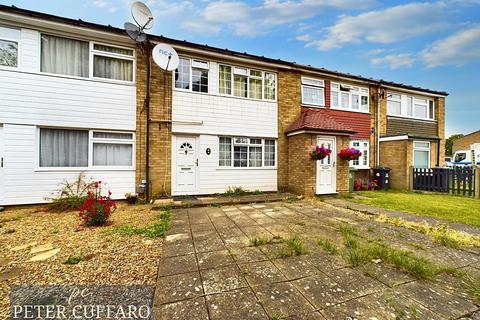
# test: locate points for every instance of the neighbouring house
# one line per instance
(67, 105)
(412, 131)
(466, 141)
(222, 119)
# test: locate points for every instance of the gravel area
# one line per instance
(106, 257)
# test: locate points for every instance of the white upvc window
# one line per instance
(81, 149)
(192, 75)
(421, 154)
(244, 152)
(86, 59)
(246, 83)
(407, 106)
(313, 92)
(112, 62)
(363, 162)
(112, 149)
(350, 98)
(9, 47)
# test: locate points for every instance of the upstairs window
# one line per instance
(244, 152)
(65, 56)
(411, 107)
(225, 80)
(313, 92)
(9, 40)
(247, 83)
(347, 97)
(240, 82)
(76, 58)
(112, 62)
(192, 75)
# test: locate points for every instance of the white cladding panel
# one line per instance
(223, 115)
(213, 179)
(30, 97)
(24, 185)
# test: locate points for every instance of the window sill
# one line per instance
(84, 169)
(246, 168)
(349, 110)
(306, 105)
(410, 118)
(91, 79)
(223, 95)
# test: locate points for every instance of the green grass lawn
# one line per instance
(449, 207)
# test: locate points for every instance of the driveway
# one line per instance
(263, 261)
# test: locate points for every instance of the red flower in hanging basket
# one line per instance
(349, 154)
(319, 153)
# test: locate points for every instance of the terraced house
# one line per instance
(75, 98)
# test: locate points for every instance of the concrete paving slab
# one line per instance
(238, 304)
(247, 254)
(295, 267)
(214, 259)
(183, 310)
(213, 243)
(384, 305)
(178, 265)
(178, 287)
(177, 248)
(261, 273)
(283, 300)
(222, 279)
(442, 302)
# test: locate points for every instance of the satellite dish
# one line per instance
(142, 15)
(165, 57)
(134, 32)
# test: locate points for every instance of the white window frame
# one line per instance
(335, 87)
(202, 65)
(94, 52)
(404, 106)
(90, 60)
(91, 140)
(19, 45)
(246, 72)
(313, 83)
(362, 148)
(248, 145)
(422, 149)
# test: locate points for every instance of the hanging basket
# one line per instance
(349, 154)
(319, 153)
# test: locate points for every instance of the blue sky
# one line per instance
(429, 44)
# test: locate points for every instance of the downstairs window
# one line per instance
(244, 152)
(71, 148)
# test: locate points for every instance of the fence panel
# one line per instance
(457, 180)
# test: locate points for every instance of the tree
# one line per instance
(449, 143)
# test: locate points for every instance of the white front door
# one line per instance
(326, 171)
(2, 184)
(186, 165)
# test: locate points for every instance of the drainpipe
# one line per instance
(438, 154)
(377, 153)
(146, 105)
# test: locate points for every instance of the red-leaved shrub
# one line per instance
(96, 210)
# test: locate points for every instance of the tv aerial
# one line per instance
(143, 18)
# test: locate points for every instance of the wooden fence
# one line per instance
(457, 180)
